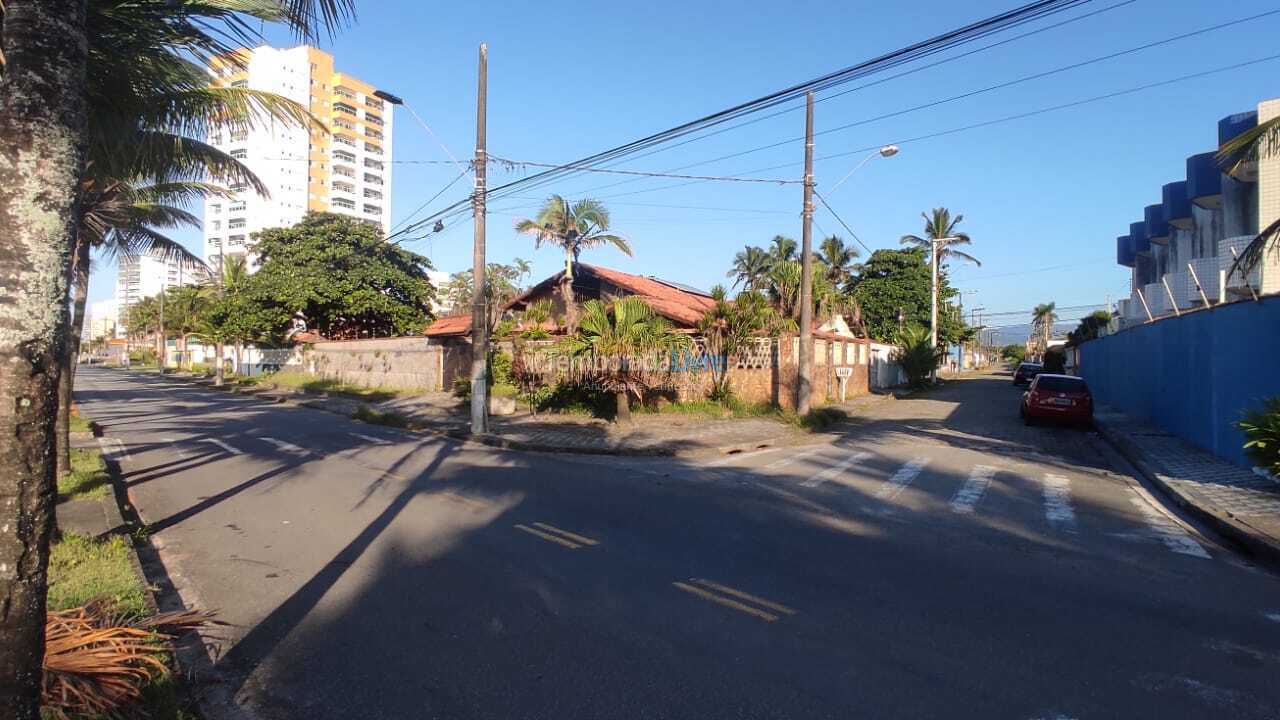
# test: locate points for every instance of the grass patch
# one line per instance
(88, 477)
(714, 409)
(82, 569)
(78, 423)
(390, 419)
(295, 380)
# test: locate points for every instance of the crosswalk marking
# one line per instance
(835, 470)
(223, 445)
(972, 490)
(1057, 502)
(371, 439)
(1169, 532)
(901, 479)
(285, 446)
(778, 464)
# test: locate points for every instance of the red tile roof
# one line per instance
(682, 306)
(454, 325)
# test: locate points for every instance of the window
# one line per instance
(240, 84)
(372, 179)
(240, 154)
(340, 122)
(372, 209)
(373, 102)
(215, 242)
(341, 91)
(343, 186)
(344, 155)
(235, 240)
(372, 119)
(1060, 384)
(344, 108)
(215, 225)
(237, 206)
(372, 194)
(376, 135)
(371, 148)
(344, 140)
(215, 208)
(343, 171)
(235, 223)
(371, 163)
(344, 203)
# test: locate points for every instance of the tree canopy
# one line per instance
(343, 278)
(899, 279)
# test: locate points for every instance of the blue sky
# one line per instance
(571, 78)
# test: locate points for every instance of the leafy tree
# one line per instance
(1013, 353)
(623, 337)
(342, 277)
(1055, 361)
(731, 328)
(504, 284)
(837, 260)
(1090, 327)
(898, 280)
(573, 228)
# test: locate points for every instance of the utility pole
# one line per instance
(479, 309)
(160, 358)
(933, 298)
(804, 379)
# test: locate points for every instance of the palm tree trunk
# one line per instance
(566, 294)
(219, 348)
(622, 404)
(66, 380)
(42, 142)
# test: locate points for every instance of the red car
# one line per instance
(1057, 397)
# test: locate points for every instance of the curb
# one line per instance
(1256, 543)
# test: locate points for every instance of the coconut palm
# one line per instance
(573, 228)
(750, 267)
(44, 116)
(1043, 318)
(939, 243)
(625, 339)
(837, 260)
(782, 249)
(731, 328)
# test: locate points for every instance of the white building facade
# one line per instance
(346, 170)
(144, 276)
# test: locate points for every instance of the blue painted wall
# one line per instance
(1192, 375)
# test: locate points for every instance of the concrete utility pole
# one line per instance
(804, 379)
(479, 309)
(160, 357)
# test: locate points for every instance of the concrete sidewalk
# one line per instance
(1237, 502)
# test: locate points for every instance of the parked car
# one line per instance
(1026, 372)
(1057, 397)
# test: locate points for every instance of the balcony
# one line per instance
(1157, 228)
(345, 140)
(344, 108)
(1231, 126)
(1124, 251)
(1141, 242)
(1207, 272)
(1177, 207)
(1204, 181)
(372, 119)
(344, 187)
(1235, 283)
(1156, 300)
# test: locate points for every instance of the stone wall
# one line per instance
(409, 363)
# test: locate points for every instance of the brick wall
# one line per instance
(410, 363)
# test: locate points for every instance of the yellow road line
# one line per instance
(745, 596)
(549, 536)
(767, 617)
(572, 536)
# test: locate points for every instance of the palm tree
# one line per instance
(782, 249)
(623, 338)
(44, 115)
(573, 228)
(224, 282)
(1043, 318)
(837, 260)
(750, 267)
(939, 242)
(731, 328)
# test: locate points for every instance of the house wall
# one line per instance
(408, 363)
(1191, 375)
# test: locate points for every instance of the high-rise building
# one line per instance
(347, 170)
(144, 276)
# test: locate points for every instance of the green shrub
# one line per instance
(462, 387)
(916, 355)
(367, 414)
(820, 419)
(500, 369)
(1261, 428)
(142, 356)
(1013, 353)
(504, 391)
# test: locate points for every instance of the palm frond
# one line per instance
(1262, 140)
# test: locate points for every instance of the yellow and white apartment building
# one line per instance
(347, 170)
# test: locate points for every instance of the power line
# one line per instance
(530, 163)
(841, 221)
(431, 199)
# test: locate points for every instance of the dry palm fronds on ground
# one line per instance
(97, 662)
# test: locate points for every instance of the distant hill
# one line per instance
(1011, 334)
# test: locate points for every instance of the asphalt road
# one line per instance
(940, 561)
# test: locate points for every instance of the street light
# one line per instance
(887, 151)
